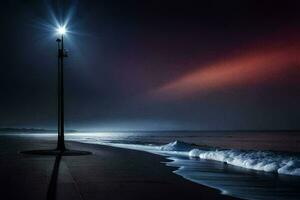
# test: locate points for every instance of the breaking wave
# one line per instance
(267, 161)
(256, 160)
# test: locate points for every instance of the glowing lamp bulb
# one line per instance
(61, 30)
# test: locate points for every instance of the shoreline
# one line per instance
(161, 160)
(109, 173)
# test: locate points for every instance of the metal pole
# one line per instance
(62, 96)
(58, 95)
(61, 140)
(62, 129)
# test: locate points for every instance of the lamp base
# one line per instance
(54, 152)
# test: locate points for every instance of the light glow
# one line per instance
(62, 30)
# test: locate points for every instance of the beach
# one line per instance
(109, 173)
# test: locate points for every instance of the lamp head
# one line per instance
(61, 30)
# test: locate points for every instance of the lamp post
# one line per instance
(61, 149)
(60, 90)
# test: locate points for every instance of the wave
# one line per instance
(256, 160)
(266, 161)
(177, 146)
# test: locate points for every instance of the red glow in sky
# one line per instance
(254, 66)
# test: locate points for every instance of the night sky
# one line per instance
(153, 65)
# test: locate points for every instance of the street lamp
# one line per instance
(62, 53)
(60, 89)
(60, 148)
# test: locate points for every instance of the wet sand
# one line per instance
(109, 173)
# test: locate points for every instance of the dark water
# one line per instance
(275, 141)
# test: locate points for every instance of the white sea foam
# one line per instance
(256, 160)
(176, 146)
